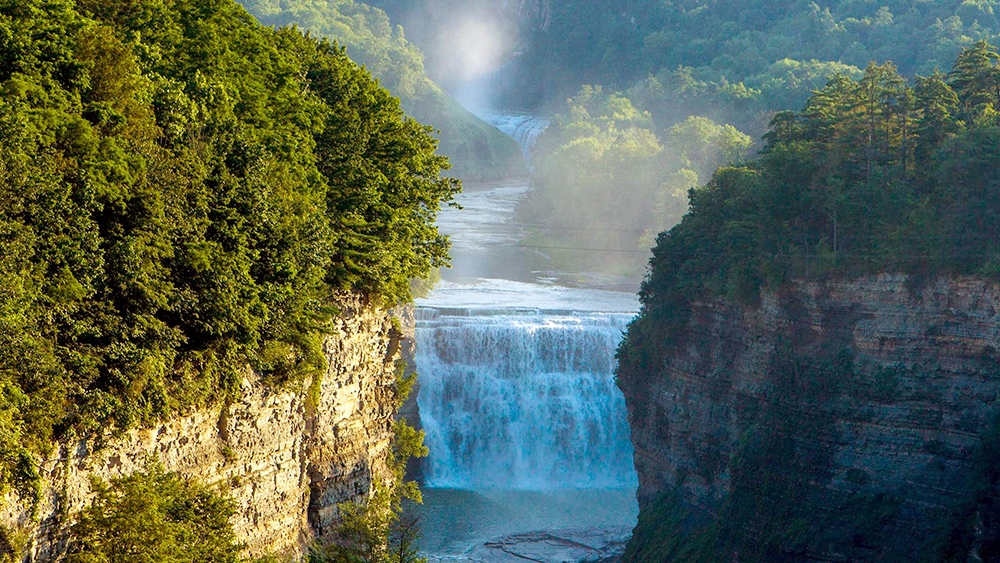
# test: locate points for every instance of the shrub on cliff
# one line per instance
(154, 517)
(183, 191)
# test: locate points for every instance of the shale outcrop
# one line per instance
(286, 458)
(837, 420)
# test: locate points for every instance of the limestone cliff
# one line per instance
(286, 458)
(833, 421)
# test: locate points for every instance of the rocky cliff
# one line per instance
(832, 421)
(285, 457)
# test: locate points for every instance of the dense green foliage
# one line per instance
(154, 517)
(477, 150)
(723, 59)
(873, 175)
(185, 191)
(750, 55)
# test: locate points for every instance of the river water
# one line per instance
(530, 455)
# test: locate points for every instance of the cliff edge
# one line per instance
(285, 457)
(837, 420)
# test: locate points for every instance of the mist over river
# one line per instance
(530, 453)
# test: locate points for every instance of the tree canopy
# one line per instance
(605, 178)
(478, 151)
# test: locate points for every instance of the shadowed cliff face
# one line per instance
(287, 458)
(834, 421)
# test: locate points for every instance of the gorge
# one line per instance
(231, 232)
(529, 446)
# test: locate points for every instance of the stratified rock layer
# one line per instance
(285, 461)
(834, 421)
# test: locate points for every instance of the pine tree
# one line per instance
(938, 108)
(975, 77)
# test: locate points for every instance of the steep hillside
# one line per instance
(476, 150)
(851, 420)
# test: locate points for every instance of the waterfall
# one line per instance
(522, 399)
(523, 128)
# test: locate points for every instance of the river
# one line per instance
(530, 455)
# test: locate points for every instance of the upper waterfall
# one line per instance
(523, 128)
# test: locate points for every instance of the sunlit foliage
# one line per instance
(604, 177)
(153, 516)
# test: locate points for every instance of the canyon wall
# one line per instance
(842, 420)
(285, 457)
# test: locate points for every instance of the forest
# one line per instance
(186, 192)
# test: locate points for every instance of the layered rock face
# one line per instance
(834, 421)
(286, 458)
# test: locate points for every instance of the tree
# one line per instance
(186, 194)
(975, 77)
(938, 108)
(154, 517)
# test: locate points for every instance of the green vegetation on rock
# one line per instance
(872, 175)
(186, 192)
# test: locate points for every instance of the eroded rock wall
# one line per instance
(285, 461)
(834, 421)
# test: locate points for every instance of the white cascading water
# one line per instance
(517, 388)
(523, 128)
(522, 400)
